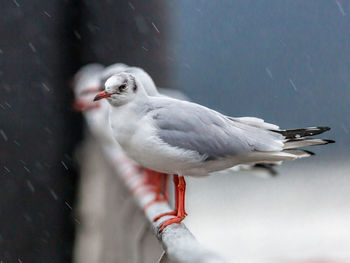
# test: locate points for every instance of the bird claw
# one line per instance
(171, 213)
(171, 221)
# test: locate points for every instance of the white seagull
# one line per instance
(179, 137)
(155, 179)
(152, 90)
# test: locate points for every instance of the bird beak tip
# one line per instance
(102, 95)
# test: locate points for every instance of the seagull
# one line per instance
(184, 138)
(152, 90)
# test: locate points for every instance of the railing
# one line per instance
(112, 224)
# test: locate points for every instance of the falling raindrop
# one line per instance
(26, 168)
(341, 9)
(16, 3)
(32, 47)
(47, 14)
(27, 217)
(31, 187)
(293, 84)
(53, 193)
(155, 27)
(131, 6)
(268, 71)
(48, 130)
(8, 105)
(77, 35)
(4, 136)
(64, 165)
(68, 205)
(45, 86)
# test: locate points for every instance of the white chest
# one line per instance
(124, 123)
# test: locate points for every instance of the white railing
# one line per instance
(112, 224)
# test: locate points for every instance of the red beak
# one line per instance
(81, 105)
(102, 95)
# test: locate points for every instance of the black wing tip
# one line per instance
(318, 129)
(309, 152)
(324, 128)
(303, 132)
(329, 141)
(268, 167)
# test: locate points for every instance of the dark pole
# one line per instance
(39, 53)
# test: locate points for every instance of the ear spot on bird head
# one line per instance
(122, 87)
(134, 89)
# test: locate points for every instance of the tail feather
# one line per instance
(293, 140)
(299, 153)
(303, 142)
(272, 157)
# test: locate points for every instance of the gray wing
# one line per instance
(212, 135)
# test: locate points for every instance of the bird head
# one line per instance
(119, 89)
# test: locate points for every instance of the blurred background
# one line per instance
(287, 62)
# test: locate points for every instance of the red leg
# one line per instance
(182, 191)
(165, 178)
(174, 212)
(148, 176)
(149, 179)
(161, 194)
(181, 213)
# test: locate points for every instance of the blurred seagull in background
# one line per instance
(85, 82)
(86, 86)
(184, 138)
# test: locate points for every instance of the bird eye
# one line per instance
(122, 87)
